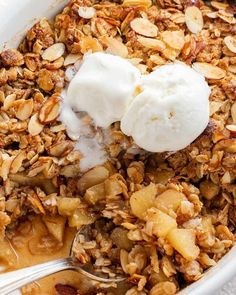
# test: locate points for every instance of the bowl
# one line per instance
(16, 17)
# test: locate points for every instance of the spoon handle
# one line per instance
(16, 279)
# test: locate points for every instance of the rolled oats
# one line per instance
(174, 39)
(192, 190)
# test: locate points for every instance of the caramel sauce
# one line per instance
(31, 244)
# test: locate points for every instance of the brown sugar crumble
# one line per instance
(172, 215)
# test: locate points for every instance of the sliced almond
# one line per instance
(17, 162)
(142, 3)
(233, 112)
(71, 59)
(34, 126)
(135, 61)
(231, 128)
(144, 27)
(87, 12)
(230, 42)
(232, 69)
(5, 166)
(61, 149)
(90, 44)
(227, 17)
(174, 39)
(219, 5)
(115, 47)
(50, 110)
(209, 71)
(54, 52)
(8, 101)
(151, 43)
(194, 19)
(25, 109)
(212, 14)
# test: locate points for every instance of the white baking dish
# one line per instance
(16, 17)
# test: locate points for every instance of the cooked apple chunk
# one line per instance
(142, 200)
(183, 241)
(170, 199)
(80, 218)
(162, 222)
(55, 226)
(67, 206)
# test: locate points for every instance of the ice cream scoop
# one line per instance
(103, 87)
(171, 111)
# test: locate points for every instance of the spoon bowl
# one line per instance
(13, 280)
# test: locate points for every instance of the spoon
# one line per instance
(13, 280)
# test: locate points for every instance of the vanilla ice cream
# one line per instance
(171, 111)
(103, 87)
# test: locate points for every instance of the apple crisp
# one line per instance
(166, 217)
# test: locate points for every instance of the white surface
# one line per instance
(171, 111)
(17, 15)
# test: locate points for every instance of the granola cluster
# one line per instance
(155, 201)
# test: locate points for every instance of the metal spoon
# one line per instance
(13, 280)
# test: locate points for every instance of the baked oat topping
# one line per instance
(154, 201)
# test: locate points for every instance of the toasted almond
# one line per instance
(8, 101)
(61, 149)
(233, 112)
(71, 59)
(87, 12)
(232, 69)
(144, 27)
(212, 14)
(219, 5)
(151, 43)
(54, 52)
(115, 47)
(230, 42)
(231, 128)
(50, 110)
(17, 162)
(25, 109)
(178, 18)
(194, 19)
(90, 44)
(5, 166)
(209, 71)
(227, 17)
(34, 126)
(157, 59)
(174, 39)
(142, 3)
(135, 61)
